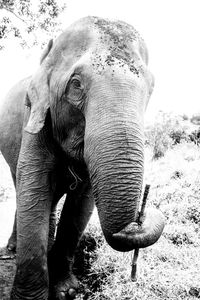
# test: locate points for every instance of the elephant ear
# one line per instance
(38, 99)
(38, 96)
(151, 85)
(46, 51)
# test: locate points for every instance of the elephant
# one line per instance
(76, 127)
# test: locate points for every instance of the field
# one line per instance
(170, 269)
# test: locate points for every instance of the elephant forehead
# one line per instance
(117, 33)
(120, 38)
(124, 45)
(116, 44)
(110, 44)
(114, 59)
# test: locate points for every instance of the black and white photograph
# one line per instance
(99, 150)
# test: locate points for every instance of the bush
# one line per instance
(169, 130)
(194, 136)
(178, 135)
(159, 136)
(193, 214)
(181, 235)
(177, 174)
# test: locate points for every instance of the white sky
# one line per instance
(171, 30)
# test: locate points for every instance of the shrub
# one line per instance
(194, 136)
(158, 137)
(181, 235)
(167, 131)
(178, 135)
(193, 214)
(177, 174)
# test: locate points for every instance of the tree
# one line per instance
(29, 22)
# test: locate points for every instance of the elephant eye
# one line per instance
(74, 89)
(76, 83)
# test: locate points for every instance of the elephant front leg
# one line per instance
(34, 199)
(75, 215)
(31, 279)
(12, 242)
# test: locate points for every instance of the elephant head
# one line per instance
(94, 84)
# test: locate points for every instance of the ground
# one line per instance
(167, 270)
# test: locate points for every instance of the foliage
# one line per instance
(168, 131)
(180, 235)
(165, 132)
(28, 22)
(194, 136)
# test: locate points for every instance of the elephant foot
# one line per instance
(6, 254)
(63, 283)
(65, 289)
(12, 245)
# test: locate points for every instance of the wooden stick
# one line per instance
(134, 265)
(136, 252)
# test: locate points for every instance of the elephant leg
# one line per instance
(12, 242)
(35, 188)
(75, 215)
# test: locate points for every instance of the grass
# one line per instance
(170, 269)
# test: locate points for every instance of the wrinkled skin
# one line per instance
(76, 127)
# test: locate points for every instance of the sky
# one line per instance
(171, 30)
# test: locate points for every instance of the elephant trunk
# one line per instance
(114, 155)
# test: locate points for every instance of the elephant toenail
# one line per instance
(10, 247)
(72, 293)
(62, 296)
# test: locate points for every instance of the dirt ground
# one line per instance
(7, 270)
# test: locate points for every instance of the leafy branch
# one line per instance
(30, 21)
